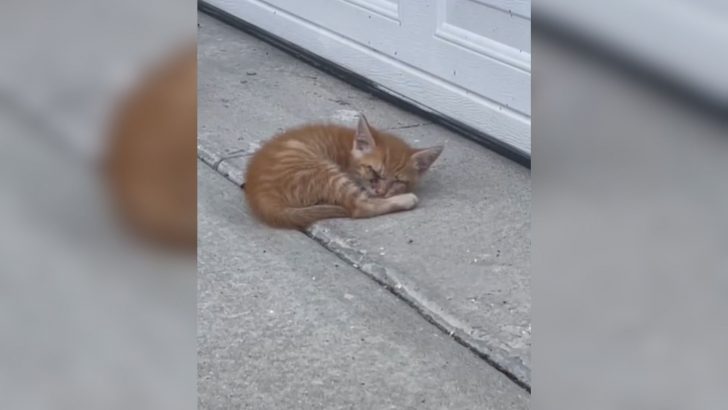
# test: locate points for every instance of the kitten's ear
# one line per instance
(363, 140)
(422, 159)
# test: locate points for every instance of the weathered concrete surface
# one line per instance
(285, 324)
(461, 257)
(249, 90)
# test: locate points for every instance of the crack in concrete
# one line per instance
(243, 152)
(402, 127)
(215, 160)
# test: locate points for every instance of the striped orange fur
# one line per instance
(325, 171)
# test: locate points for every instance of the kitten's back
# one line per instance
(290, 171)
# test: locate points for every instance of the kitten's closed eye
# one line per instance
(374, 181)
(397, 187)
(374, 175)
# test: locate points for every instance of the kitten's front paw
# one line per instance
(405, 201)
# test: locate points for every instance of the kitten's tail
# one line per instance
(300, 218)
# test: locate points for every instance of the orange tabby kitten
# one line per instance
(151, 159)
(327, 171)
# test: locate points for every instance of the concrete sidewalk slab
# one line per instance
(461, 258)
(284, 324)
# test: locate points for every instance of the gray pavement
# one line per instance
(461, 258)
(285, 324)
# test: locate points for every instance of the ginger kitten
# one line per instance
(327, 171)
(151, 159)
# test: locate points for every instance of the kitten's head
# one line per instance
(385, 165)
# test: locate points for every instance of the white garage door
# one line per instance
(469, 60)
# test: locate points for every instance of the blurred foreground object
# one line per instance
(151, 158)
(629, 229)
(89, 318)
(676, 43)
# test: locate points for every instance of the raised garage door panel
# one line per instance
(466, 59)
